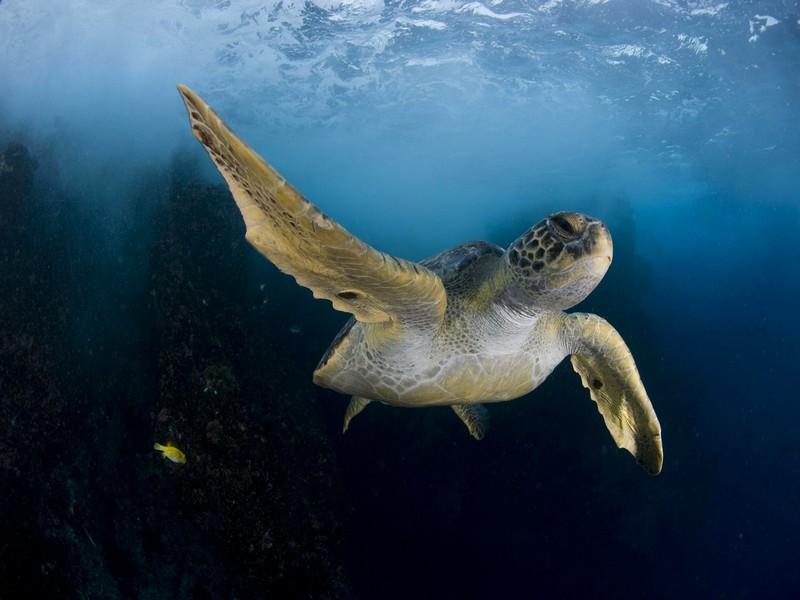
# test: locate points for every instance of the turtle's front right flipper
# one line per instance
(606, 367)
(302, 241)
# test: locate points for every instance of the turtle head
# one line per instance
(558, 261)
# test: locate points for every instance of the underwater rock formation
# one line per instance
(16, 183)
(94, 370)
(260, 477)
(39, 421)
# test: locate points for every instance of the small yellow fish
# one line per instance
(171, 452)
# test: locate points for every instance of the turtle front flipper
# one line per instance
(302, 241)
(475, 417)
(607, 369)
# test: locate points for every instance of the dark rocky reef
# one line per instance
(39, 416)
(260, 478)
(97, 364)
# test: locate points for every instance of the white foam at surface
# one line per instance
(622, 51)
(549, 5)
(353, 5)
(768, 21)
(425, 23)
(708, 10)
(439, 6)
(632, 50)
(698, 45)
(476, 8)
(435, 62)
(759, 24)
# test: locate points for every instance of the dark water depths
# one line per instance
(181, 331)
(132, 310)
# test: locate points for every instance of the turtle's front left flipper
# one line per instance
(302, 241)
(606, 367)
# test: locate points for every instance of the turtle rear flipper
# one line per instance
(356, 405)
(475, 417)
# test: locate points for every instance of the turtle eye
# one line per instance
(562, 226)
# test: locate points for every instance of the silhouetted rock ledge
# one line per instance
(88, 509)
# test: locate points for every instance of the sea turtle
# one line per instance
(472, 325)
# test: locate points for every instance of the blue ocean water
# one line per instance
(133, 311)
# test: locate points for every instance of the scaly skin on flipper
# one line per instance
(606, 367)
(302, 241)
(475, 417)
(357, 404)
(472, 325)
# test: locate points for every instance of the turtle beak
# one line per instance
(598, 249)
(582, 230)
(598, 242)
